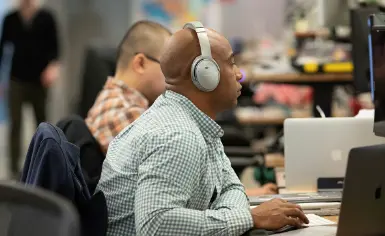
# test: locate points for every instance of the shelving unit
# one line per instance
(322, 84)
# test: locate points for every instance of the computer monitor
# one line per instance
(360, 53)
(376, 45)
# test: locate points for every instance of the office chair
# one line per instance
(238, 149)
(99, 63)
(35, 212)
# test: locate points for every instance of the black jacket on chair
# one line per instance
(53, 163)
(91, 155)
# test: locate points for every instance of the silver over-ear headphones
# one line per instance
(205, 72)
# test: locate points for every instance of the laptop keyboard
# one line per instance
(323, 212)
(301, 197)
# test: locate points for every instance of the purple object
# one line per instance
(243, 76)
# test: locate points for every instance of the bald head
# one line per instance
(176, 60)
(183, 47)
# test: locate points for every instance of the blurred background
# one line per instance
(299, 59)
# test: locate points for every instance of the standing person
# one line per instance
(32, 31)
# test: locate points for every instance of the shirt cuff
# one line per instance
(239, 221)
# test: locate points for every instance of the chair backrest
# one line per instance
(35, 212)
(99, 63)
(91, 155)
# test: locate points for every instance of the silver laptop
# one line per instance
(318, 148)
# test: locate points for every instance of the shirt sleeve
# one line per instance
(169, 171)
(233, 195)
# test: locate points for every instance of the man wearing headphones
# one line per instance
(167, 173)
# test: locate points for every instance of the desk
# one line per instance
(295, 77)
(261, 232)
(261, 119)
(332, 218)
(299, 78)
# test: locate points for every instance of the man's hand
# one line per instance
(50, 74)
(267, 189)
(277, 213)
(270, 189)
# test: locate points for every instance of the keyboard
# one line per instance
(300, 197)
(323, 212)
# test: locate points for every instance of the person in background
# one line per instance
(167, 173)
(266, 189)
(138, 81)
(32, 31)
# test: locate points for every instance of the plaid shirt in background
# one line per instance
(116, 107)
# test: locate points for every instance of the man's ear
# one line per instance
(138, 63)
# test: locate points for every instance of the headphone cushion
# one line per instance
(206, 74)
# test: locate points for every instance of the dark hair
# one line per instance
(143, 37)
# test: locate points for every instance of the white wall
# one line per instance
(252, 18)
(57, 106)
(88, 21)
(83, 22)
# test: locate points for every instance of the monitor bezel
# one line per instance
(375, 22)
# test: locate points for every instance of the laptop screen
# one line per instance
(360, 52)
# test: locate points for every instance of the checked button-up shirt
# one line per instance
(167, 174)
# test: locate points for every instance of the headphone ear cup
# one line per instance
(205, 74)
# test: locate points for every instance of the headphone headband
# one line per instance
(203, 39)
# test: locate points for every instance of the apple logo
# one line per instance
(336, 155)
(377, 193)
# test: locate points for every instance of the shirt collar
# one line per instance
(209, 128)
(113, 83)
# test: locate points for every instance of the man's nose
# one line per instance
(238, 74)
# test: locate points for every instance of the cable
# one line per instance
(320, 111)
